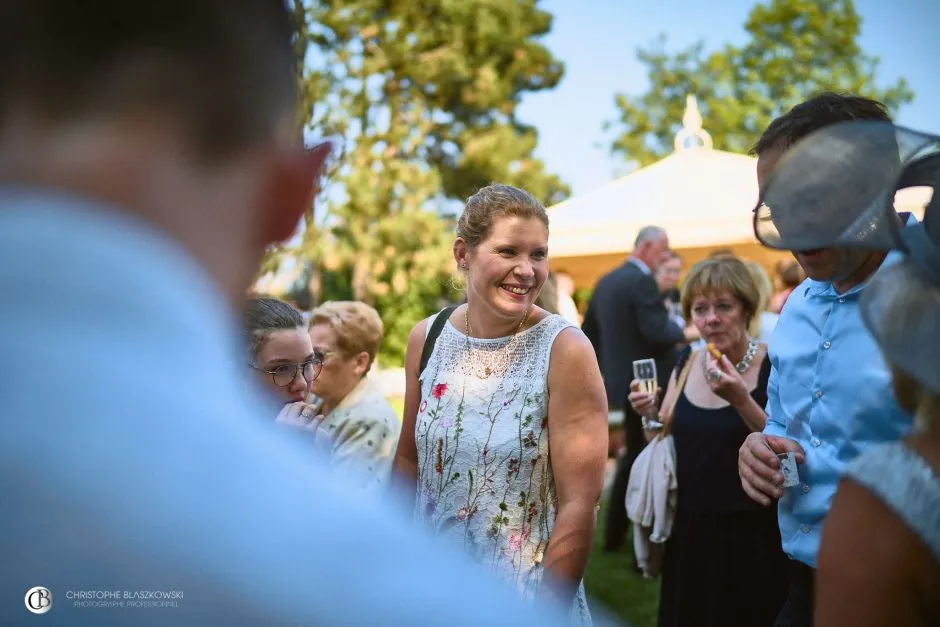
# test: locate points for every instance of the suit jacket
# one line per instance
(626, 320)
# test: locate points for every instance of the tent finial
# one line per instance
(692, 135)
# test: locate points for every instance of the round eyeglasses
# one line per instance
(284, 374)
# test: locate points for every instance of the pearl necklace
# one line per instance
(745, 363)
(485, 363)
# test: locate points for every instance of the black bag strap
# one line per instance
(436, 327)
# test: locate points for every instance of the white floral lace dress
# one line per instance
(484, 474)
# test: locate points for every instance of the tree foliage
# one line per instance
(422, 95)
(795, 48)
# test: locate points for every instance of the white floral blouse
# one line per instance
(484, 473)
(364, 429)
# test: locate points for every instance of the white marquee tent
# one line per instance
(703, 198)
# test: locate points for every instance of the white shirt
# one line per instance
(364, 430)
(134, 458)
(568, 309)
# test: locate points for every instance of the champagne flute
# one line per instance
(644, 371)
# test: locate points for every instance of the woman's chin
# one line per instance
(513, 304)
(719, 341)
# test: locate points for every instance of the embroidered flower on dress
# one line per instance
(483, 458)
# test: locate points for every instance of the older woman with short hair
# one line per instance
(363, 425)
(723, 564)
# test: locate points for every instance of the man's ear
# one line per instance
(294, 184)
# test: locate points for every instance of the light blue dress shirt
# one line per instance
(829, 390)
(639, 263)
(134, 456)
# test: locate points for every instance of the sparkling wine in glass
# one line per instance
(644, 371)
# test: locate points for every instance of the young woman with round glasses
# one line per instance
(282, 355)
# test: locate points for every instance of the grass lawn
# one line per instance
(611, 581)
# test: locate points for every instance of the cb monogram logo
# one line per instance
(39, 600)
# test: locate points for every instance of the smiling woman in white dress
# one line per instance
(505, 432)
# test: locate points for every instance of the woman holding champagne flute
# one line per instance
(723, 563)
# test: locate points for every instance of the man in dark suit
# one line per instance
(627, 320)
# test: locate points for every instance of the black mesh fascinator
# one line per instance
(836, 187)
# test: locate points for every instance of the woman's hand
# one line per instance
(642, 402)
(304, 417)
(728, 382)
(300, 415)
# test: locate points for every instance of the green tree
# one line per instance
(795, 48)
(423, 94)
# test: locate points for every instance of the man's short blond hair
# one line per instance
(358, 327)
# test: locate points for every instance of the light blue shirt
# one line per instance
(639, 263)
(134, 456)
(829, 390)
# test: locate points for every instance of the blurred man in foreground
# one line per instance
(148, 156)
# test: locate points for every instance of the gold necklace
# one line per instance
(502, 355)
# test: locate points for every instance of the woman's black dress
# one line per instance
(723, 564)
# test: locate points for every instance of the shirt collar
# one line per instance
(639, 264)
(826, 288)
(362, 389)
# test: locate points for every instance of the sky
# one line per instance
(597, 40)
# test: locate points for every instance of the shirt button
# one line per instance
(818, 393)
(807, 529)
(827, 344)
(816, 442)
(841, 300)
(805, 488)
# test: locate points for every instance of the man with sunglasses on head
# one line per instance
(829, 394)
(149, 154)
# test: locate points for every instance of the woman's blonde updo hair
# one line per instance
(358, 327)
(725, 273)
(495, 201)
